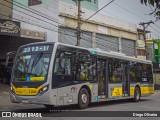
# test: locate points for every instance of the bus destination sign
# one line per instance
(40, 48)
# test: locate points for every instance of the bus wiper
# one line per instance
(32, 74)
(36, 60)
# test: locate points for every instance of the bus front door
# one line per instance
(101, 65)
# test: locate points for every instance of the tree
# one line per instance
(156, 5)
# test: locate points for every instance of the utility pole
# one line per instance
(145, 25)
(79, 23)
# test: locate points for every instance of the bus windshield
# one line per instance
(31, 67)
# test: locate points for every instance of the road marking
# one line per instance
(7, 93)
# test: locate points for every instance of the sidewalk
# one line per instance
(4, 87)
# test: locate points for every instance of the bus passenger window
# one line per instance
(149, 73)
(133, 72)
(86, 67)
(144, 70)
(62, 70)
(62, 63)
(114, 71)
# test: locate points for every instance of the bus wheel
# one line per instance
(83, 98)
(49, 106)
(137, 94)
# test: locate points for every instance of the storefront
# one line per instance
(11, 38)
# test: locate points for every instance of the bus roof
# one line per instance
(98, 52)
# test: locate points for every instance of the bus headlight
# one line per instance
(43, 90)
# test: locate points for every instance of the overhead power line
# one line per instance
(29, 15)
(99, 10)
(137, 16)
(79, 20)
(31, 10)
(84, 33)
(49, 29)
(55, 30)
(111, 44)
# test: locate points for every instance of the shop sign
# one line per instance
(8, 27)
(140, 44)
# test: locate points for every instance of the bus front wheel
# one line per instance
(137, 94)
(83, 98)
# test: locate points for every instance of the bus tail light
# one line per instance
(43, 90)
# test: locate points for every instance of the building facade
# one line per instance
(5, 12)
(100, 31)
(39, 18)
(29, 17)
(88, 4)
(58, 20)
(153, 48)
(60, 24)
(141, 49)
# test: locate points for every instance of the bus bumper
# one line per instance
(38, 99)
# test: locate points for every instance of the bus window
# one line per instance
(86, 67)
(135, 72)
(144, 72)
(62, 73)
(62, 63)
(132, 72)
(149, 73)
(114, 71)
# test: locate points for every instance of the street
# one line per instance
(150, 103)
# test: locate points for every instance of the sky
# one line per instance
(132, 11)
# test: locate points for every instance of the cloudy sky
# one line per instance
(133, 11)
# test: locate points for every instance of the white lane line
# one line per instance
(7, 93)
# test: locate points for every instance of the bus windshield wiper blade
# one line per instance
(36, 60)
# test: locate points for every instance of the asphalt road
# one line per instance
(151, 103)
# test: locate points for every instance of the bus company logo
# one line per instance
(74, 89)
(6, 114)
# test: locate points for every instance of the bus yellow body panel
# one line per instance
(26, 91)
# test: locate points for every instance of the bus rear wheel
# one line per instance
(137, 94)
(83, 98)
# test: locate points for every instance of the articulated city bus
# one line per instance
(56, 74)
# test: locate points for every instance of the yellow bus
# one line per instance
(56, 74)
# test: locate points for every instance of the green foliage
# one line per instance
(154, 3)
(151, 2)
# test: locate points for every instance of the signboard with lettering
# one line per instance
(36, 48)
(8, 27)
(140, 44)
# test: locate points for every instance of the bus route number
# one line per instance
(36, 48)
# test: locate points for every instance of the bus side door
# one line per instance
(114, 78)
